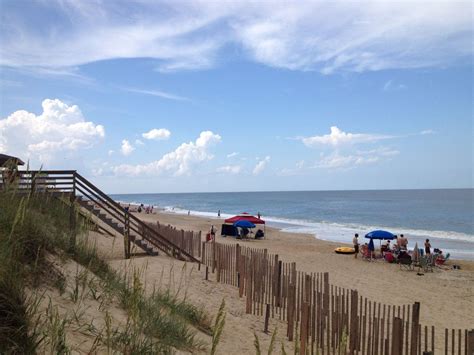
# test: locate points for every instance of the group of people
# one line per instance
(140, 209)
(399, 247)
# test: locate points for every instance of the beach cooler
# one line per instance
(389, 257)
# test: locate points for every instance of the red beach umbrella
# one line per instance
(244, 217)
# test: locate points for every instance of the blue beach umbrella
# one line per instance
(244, 224)
(371, 245)
(379, 234)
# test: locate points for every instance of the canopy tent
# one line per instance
(380, 234)
(244, 217)
(229, 227)
(4, 158)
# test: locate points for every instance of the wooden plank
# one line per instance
(397, 336)
(414, 328)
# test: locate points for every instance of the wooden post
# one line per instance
(278, 284)
(354, 323)
(397, 336)
(414, 328)
(470, 342)
(304, 328)
(267, 317)
(199, 243)
(213, 255)
(207, 272)
(72, 215)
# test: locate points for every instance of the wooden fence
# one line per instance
(322, 317)
(188, 241)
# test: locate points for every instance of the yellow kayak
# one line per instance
(344, 250)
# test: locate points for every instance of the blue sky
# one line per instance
(237, 96)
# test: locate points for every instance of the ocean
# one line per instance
(445, 216)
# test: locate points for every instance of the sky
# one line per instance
(174, 96)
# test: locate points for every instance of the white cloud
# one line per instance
(59, 130)
(180, 161)
(261, 165)
(139, 142)
(338, 137)
(233, 154)
(111, 152)
(157, 134)
(158, 93)
(427, 131)
(230, 169)
(126, 148)
(326, 36)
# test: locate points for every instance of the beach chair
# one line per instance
(366, 255)
(427, 262)
(431, 262)
(406, 264)
(440, 260)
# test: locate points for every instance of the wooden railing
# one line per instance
(70, 182)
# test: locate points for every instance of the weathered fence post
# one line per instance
(213, 255)
(354, 322)
(72, 215)
(470, 342)
(267, 317)
(415, 320)
(397, 336)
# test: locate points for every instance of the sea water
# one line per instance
(445, 216)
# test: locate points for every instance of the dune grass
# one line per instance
(37, 225)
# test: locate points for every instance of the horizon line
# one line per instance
(256, 191)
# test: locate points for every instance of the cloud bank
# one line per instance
(325, 36)
(179, 162)
(60, 129)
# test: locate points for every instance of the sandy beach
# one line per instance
(446, 295)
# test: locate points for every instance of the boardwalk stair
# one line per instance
(88, 200)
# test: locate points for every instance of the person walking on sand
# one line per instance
(355, 242)
(219, 213)
(427, 247)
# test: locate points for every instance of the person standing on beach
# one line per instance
(427, 247)
(355, 242)
(403, 242)
(213, 233)
(219, 213)
(259, 215)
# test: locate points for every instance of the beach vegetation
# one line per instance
(34, 230)
(218, 327)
